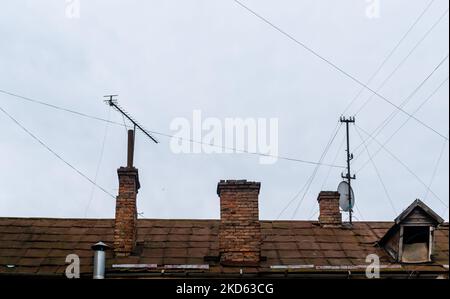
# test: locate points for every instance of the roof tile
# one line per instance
(41, 245)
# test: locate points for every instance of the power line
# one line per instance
(400, 64)
(393, 114)
(58, 107)
(405, 122)
(336, 67)
(97, 170)
(379, 69)
(360, 214)
(54, 153)
(416, 46)
(404, 165)
(390, 54)
(338, 152)
(433, 176)
(378, 173)
(248, 152)
(168, 135)
(314, 213)
(307, 186)
(333, 136)
(124, 123)
(310, 181)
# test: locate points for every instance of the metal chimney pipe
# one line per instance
(130, 156)
(99, 260)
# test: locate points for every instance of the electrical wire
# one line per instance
(360, 214)
(433, 176)
(405, 166)
(309, 182)
(378, 70)
(338, 152)
(416, 46)
(333, 136)
(124, 124)
(316, 212)
(394, 113)
(391, 53)
(338, 68)
(248, 152)
(58, 107)
(404, 123)
(378, 174)
(54, 153)
(168, 135)
(97, 170)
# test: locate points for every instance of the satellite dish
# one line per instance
(344, 190)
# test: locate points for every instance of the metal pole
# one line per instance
(130, 156)
(349, 177)
(348, 174)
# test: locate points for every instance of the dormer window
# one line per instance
(416, 244)
(411, 238)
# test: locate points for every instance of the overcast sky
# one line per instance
(166, 58)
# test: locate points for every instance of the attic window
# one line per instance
(416, 244)
(411, 238)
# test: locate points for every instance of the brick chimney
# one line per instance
(330, 215)
(240, 230)
(126, 209)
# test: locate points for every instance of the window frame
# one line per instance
(430, 243)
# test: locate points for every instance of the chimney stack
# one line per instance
(240, 230)
(330, 215)
(126, 208)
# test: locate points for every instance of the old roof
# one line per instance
(418, 204)
(40, 246)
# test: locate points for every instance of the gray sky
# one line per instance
(166, 58)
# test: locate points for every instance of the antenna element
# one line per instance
(131, 133)
(113, 103)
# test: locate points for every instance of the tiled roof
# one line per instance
(40, 246)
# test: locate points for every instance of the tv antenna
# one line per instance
(131, 133)
(348, 176)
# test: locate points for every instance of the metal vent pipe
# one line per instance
(99, 260)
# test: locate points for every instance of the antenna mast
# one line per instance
(131, 133)
(113, 103)
(348, 176)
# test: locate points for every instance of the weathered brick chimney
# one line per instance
(330, 215)
(126, 209)
(240, 229)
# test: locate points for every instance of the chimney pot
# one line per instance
(330, 215)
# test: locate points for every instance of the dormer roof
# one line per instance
(420, 208)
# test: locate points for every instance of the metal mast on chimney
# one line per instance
(348, 176)
(131, 133)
